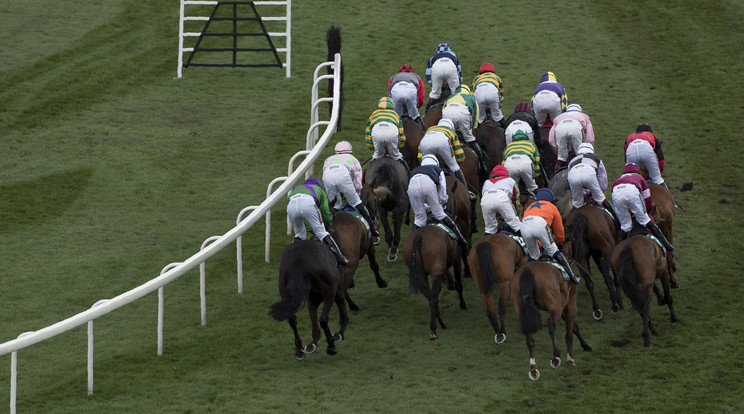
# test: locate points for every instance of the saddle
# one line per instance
(351, 210)
(547, 259)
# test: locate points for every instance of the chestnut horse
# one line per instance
(308, 272)
(664, 211)
(493, 260)
(540, 286)
(414, 132)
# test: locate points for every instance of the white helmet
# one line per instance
(573, 108)
(585, 148)
(430, 159)
(446, 122)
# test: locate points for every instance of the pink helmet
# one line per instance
(343, 147)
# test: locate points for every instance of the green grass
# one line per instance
(112, 169)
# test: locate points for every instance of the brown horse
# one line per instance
(591, 233)
(540, 286)
(430, 251)
(637, 262)
(493, 260)
(433, 115)
(664, 211)
(490, 137)
(354, 242)
(308, 272)
(414, 132)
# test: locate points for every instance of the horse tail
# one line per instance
(488, 278)
(530, 319)
(626, 277)
(295, 294)
(416, 280)
(578, 230)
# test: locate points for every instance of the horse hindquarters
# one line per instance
(640, 296)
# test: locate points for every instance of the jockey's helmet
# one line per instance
(499, 171)
(385, 103)
(487, 67)
(545, 194)
(446, 122)
(313, 181)
(430, 159)
(643, 127)
(585, 148)
(406, 68)
(631, 168)
(573, 108)
(343, 147)
(523, 107)
(443, 47)
(464, 89)
(520, 135)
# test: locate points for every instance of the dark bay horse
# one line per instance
(354, 242)
(490, 137)
(548, 153)
(389, 182)
(539, 286)
(559, 186)
(493, 260)
(308, 272)
(430, 251)
(414, 132)
(434, 114)
(637, 262)
(591, 233)
(664, 211)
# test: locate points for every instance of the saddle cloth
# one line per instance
(351, 210)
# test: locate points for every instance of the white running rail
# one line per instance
(209, 248)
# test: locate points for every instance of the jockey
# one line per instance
(406, 89)
(627, 192)
(384, 132)
(522, 160)
(522, 119)
(643, 148)
(500, 197)
(549, 98)
(569, 130)
(308, 207)
(539, 218)
(489, 93)
(462, 109)
(442, 140)
(443, 67)
(427, 188)
(342, 175)
(587, 172)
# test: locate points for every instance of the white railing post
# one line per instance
(239, 246)
(14, 376)
(90, 348)
(161, 305)
(203, 281)
(267, 243)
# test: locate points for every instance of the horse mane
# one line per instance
(294, 296)
(333, 41)
(488, 278)
(626, 278)
(416, 280)
(530, 319)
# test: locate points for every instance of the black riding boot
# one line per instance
(362, 209)
(447, 221)
(420, 121)
(460, 176)
(558, 256)
(405, 164)
(606, 204)
(659, 235)
(482, 168)
(331, 243)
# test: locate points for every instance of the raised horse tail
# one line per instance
(295, 294)
(488, 278)
(333, 40)
(626, 277)
(416, 281)
(530, 319)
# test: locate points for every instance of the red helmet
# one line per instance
(343, 147)
(406, 68)
(631, 168)
(487, 67)
(499, 171)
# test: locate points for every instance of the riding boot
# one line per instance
(664, 184)
(447, 221)
(561, 259)
(606, 204)
(362, 209)
(502, 123)
(405, 164)
(331, 243)
(420, 121)
(460, 176)
(481, 159)
(659, 235)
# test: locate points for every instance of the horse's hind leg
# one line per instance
(503, 299)
(324, 318)
(343, 318)
(604, 268)
(534, 373)
(381, 283)
(458, 286)
(312, 310)
(352, 305)
(299, 354)
(435, 316)
(556, 361)
(596, 311)
(584, 344)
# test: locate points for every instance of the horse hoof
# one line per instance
(309, 349)
(331, 350)
(555, 362)
(615, 309)
(376, 240)
(300, 355)
(571, 362)
(382, 284)
(534, 374)
(433, 337)
(597, 314)
(500, 338)
(338, 337)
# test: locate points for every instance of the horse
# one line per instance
(351, 237)
(414, 133)
(540, 286)
(493, 260)
(490, 137)
(434, 114)
(388, 179)
(664, 211)
(559, 186)
(548, 153)
(430, 251)
(591, 232)
(637, 262)
(459, 206)
(308, 272)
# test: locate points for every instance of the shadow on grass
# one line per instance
(41, 200)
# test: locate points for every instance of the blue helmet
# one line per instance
(545, 194)
(443, 47)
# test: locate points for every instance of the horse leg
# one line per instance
(436, 288)
(397, 224)
(665, 284)
(604, 268)
(660, 299)
(492, 317)
(343, 317)
(533, 373)
(568, 319)
(473, 218)
(584, 344)
(352, 305)
(381, 283)
(299, 354)
(312, 310)
(596, 311)
(552, 321)
(388, 233)
(458, 286)
(324, 318)
(503, 299)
